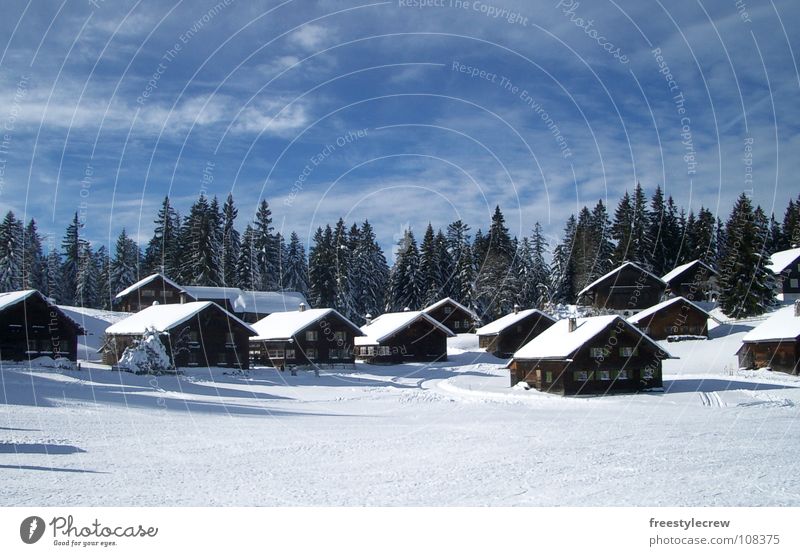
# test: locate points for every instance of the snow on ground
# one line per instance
(95, 322)
(449, 433)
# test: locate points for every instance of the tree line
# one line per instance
(346, 268)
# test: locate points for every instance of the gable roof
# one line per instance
(615, 271)
(265, 303)
(144, 282)
(781, 325)
(166, 317)
(284, 325)
(557, 342)
(389, 324)
(782, 259)
(452, 301)
(641, 315)
(211, 293)
(509, 320)
(8, 299)
(678, 270)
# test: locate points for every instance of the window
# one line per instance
(622, 374)
(230, 339)
(194, 336)
(275, 353)
(597, 353)
(222, 359)
(793, 282)
(311, 353)
(448, 310)
(334, 353)
(168, 294)
(289, 354)
(603, 375)
(339, 336)
(628, 351)
(148, 293)
(311, 335)
(548, 376)
(580, 376)
(384, 350)
(648, 373)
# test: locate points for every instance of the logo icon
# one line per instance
(31, 529)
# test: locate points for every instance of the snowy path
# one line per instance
(451, 433)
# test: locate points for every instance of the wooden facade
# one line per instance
(674, 317)
(210, 338)
(419, 341)
(31, 326)
(327, 340)
(155, 288)
(696, 281)
(786, 266)
(511, 338)
(616, 360)
(626, 290)
(779, 355)
(453, 315)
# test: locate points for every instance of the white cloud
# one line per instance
(309, 37)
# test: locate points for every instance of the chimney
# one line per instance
(572, 324)
(368, 318)
(797, 308)
(516, 308)
(302, 307)
(406, 309)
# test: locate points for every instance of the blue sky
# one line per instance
(371, 109)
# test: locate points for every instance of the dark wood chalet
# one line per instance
(786, 266)
(509, 333)
(696, 281)
(146, 291)
(199, 333)
(403, 337)
(626, 290)
(31, 326)
(593, 355)
(775, 343)
(307, 337)
(676, 316)
(453, 315)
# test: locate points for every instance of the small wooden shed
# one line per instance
(453, 315)
(403, 337)
(775, 343)
(676, 316)
(695, 280)
(626, 289)
(507, 334)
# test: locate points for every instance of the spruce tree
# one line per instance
(247, 276)
(404, 281)
(268, 249)
(86, 285)
(322, 269)
(163, 253)
(33, 261)
(11, 253)
(231, 243)
(53, 278)
(563, 266)
(540, 271)
(602, 245)
(429, 269)
(71, 245)
(105, 296)
(371, 274)
(124, 266)
(201, 236)
(622, 231)
(791, 226)
(295, 273)
(458, 247)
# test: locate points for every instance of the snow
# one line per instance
(453, 302)
(94, 322)
(557, 342)
(782, 259)
(8, 299)
(638, 317)
(284, 325)
(144, 282)
(388, 324)
(678, 270)
(213, 293)
(781, 325)
(148, 355)
(613, 272)
(164, 317)
(444, 434)
(497, 326)
(264, 303)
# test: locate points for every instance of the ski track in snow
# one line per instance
(449, 433)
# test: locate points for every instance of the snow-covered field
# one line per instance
(451, 433)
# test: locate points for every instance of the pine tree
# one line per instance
(295, 268)
(163, 253)
(540, 272)
(496, 284)
(53, 278)
(345, 291)
(404, 278)
(201, 237)
(322, 269)
(268, 249)
(445, 265)
(231, 243)
(642, 242)
(11, 253)
(86, 286)
(71, 244)
(791, 225)
(746, 285)
(124, 266)
(247, 276)
(702, 238)
(664, 233)
(563, 266)
(105, 296)
(370, 274)
(602, 244)
(458, 247)
(429, 269)
(622, 231)
(774, 239)
(33, 262)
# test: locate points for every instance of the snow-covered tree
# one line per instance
(53, 278)
(163, 253)
(295, 266)
(124, 266)
(33, 262)
(404, 281)
(86, 286)
(11, 253)
(105, 295)
(231, 243)
(71, 245)
(563, 266)
(370, 274)
(147, 355)
(322, 269)
(201, 239)
(247, 276)
(267, 246)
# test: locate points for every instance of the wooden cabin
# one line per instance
(593, 355)
(775, 343)
(696, 281)
(31, 326)
(508, 334)
(403, 337)
(453, 315)
(145, 292)
(198, 333)
(786, 266)
(304, 337)
(676, 316)
(626, 290)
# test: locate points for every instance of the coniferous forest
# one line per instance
(487, 270)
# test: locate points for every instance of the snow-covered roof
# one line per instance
(557, 342)
(208, 293)
(452, 301)
(283, 325)
(678, 270)
(264, 303)
(497, 326)
(144, 282)
(782, 325)
(8, 299)
(166, 317)
(388, 324)
(616, 270)
(641, 315)
(782, 259)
